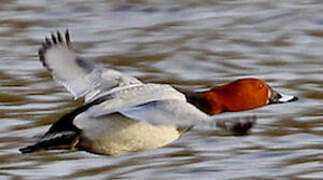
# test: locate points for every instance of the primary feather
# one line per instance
(82, 78)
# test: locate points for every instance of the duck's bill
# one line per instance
(277, 98)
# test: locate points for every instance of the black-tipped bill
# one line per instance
(277, 98)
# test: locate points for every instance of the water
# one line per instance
(194, 44)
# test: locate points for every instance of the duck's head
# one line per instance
(240, 95)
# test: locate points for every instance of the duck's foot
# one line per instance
(239, 126)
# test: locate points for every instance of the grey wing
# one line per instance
(119, 99)
(157, 112)
(182, 114)
(79, 76)
(169, 112)
(158, 105)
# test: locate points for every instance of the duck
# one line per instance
(120, 113)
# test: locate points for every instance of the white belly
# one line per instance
(116, 134)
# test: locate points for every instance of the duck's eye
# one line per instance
(260, 86)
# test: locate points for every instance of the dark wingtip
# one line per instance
(59, 37)
(67, 38)
(50, 42)
(54, 38)
(41, 55)
(47, 42)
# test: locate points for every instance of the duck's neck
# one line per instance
(205, 101)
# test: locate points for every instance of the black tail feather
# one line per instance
(63, 134)
(29, 149)
(62, 140)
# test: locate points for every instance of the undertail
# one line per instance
(59, 140)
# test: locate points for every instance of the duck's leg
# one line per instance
(237, 127)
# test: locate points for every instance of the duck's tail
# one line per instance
(62, 140)
(63, 134)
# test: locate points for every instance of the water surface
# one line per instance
(194, 44)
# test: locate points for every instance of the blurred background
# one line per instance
(193, 44)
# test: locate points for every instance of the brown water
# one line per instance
(195, 44)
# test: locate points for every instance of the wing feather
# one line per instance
(82, 78)
(119, 99)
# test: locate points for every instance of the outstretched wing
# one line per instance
(169, 112)
(82, 78)
(156, 104)
(120, 99)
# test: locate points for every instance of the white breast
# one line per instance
(115, 134)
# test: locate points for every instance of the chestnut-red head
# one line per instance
(243, 94)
